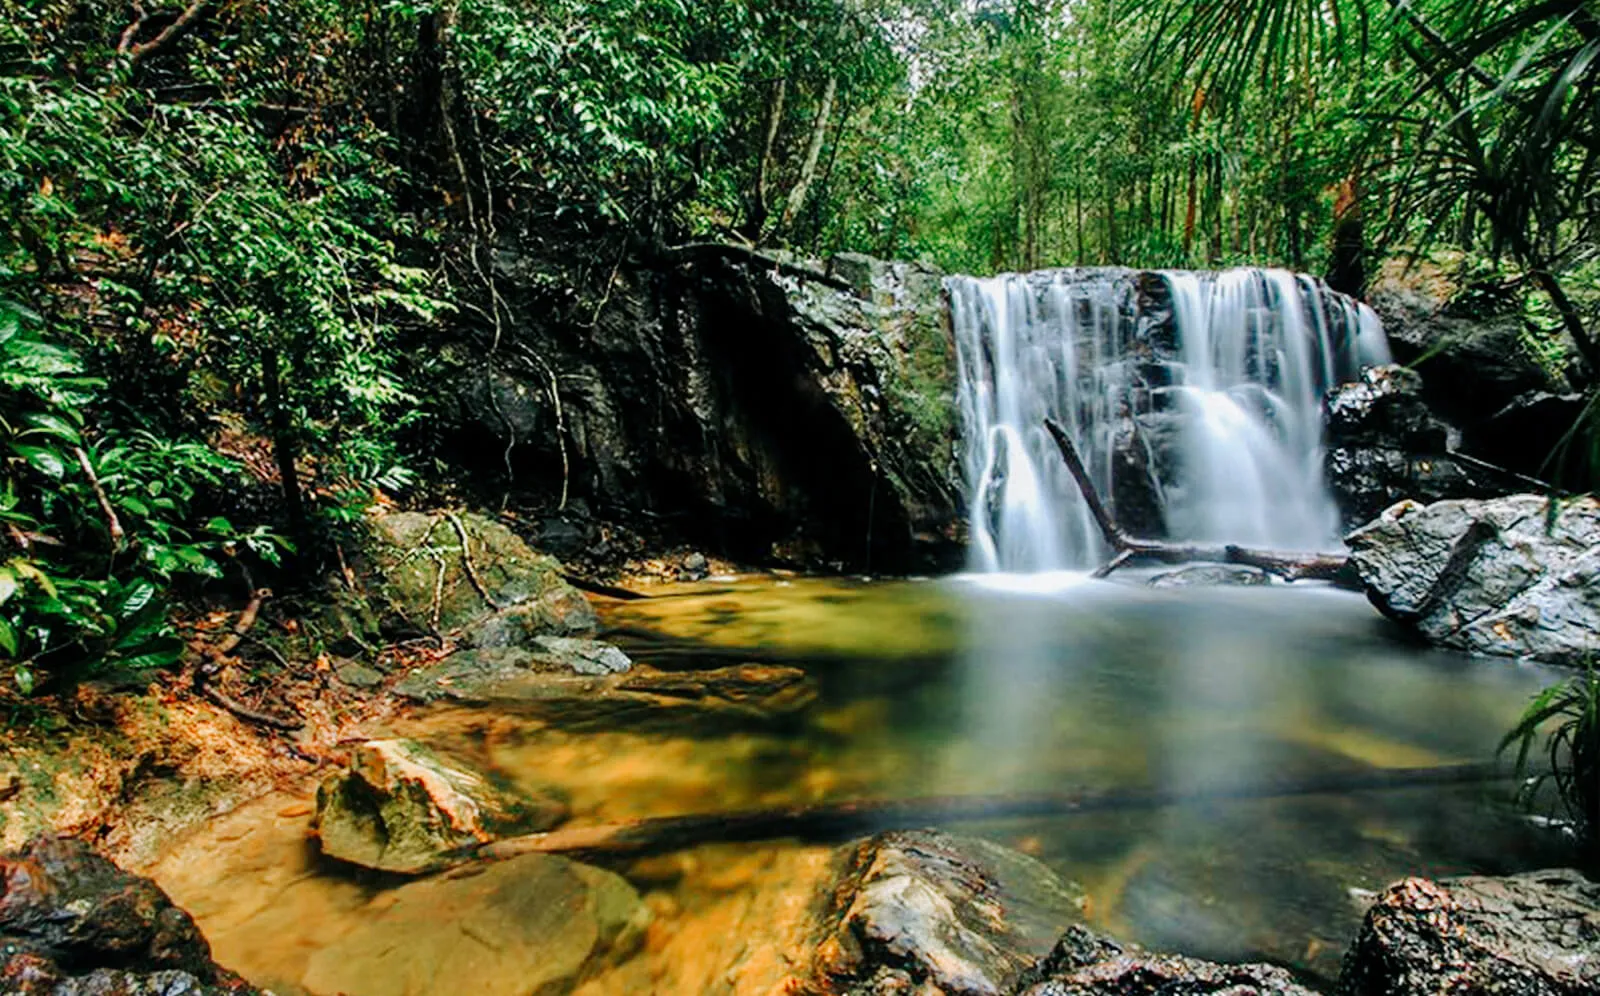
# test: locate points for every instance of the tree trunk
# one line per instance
(762, 198)
(808, 169)
(1289, 566)
(285, 448)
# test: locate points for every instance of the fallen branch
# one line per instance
(244, 712)
(844, 820)
(219, 657)
(1289, 566)
(132, 52)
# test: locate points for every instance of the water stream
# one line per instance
(1195, 398)
(953, 687)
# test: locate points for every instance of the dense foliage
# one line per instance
(234, 232)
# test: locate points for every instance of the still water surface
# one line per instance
(969, 686)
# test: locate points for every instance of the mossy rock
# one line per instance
(414, 576)
(403, 808)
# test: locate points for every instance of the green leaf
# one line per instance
(24, 679)
(8, 637)
(8, 584)
(44, 459)
(52, 424)
(163, 652)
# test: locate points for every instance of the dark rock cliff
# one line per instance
(769, 411)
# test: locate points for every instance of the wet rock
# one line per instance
(74, 924)
(1385, 444)
(930, 913)
(742, 408)
(695, 568)
(549, 688)
(1084, 963)
(403, 808)
(414, 575)
(357, 675)
(1501, 577)
(534, 924)
(1533, 935)
(1468, 344)
(1212, 576)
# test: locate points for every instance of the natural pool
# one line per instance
(958, 687)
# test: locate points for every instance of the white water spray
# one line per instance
(1210, 417)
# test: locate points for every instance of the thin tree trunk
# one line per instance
(808, 169)
(763, 192)
(285, 448)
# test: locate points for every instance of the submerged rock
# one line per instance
(1084, 963)
(74, 924)
(1212, 576)
(926, 912)
(403, 808)
(552, 688)
(1509, 577)
(534, 924)
(1531, 935)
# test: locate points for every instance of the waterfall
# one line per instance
(1194, 398)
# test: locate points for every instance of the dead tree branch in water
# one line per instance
(1289, 566)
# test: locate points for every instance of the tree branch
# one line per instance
(1289, 566)
(132, 53)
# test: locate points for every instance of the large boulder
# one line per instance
(534, 924)
(573, 696)
(1530, 935)
(74, 924)
(1384, 444)
(401, 807)
(1472, 348)
(463, 573)
(927, 912)
(1511, 577)
(760, 407)
(1084, 963)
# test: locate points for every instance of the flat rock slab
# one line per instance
(1525, 935)
(535, 924)
(74, 924)
(930, 913)
(401, 807)
(744, 696)
(1503, 577)
(1084, 963)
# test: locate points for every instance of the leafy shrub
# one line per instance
(1567, 716)
(92, 530)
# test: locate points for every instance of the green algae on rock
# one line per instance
(452, 572)
(401, 807)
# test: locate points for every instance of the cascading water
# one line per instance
(1195, 400)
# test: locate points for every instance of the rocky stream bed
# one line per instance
(459, 691)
